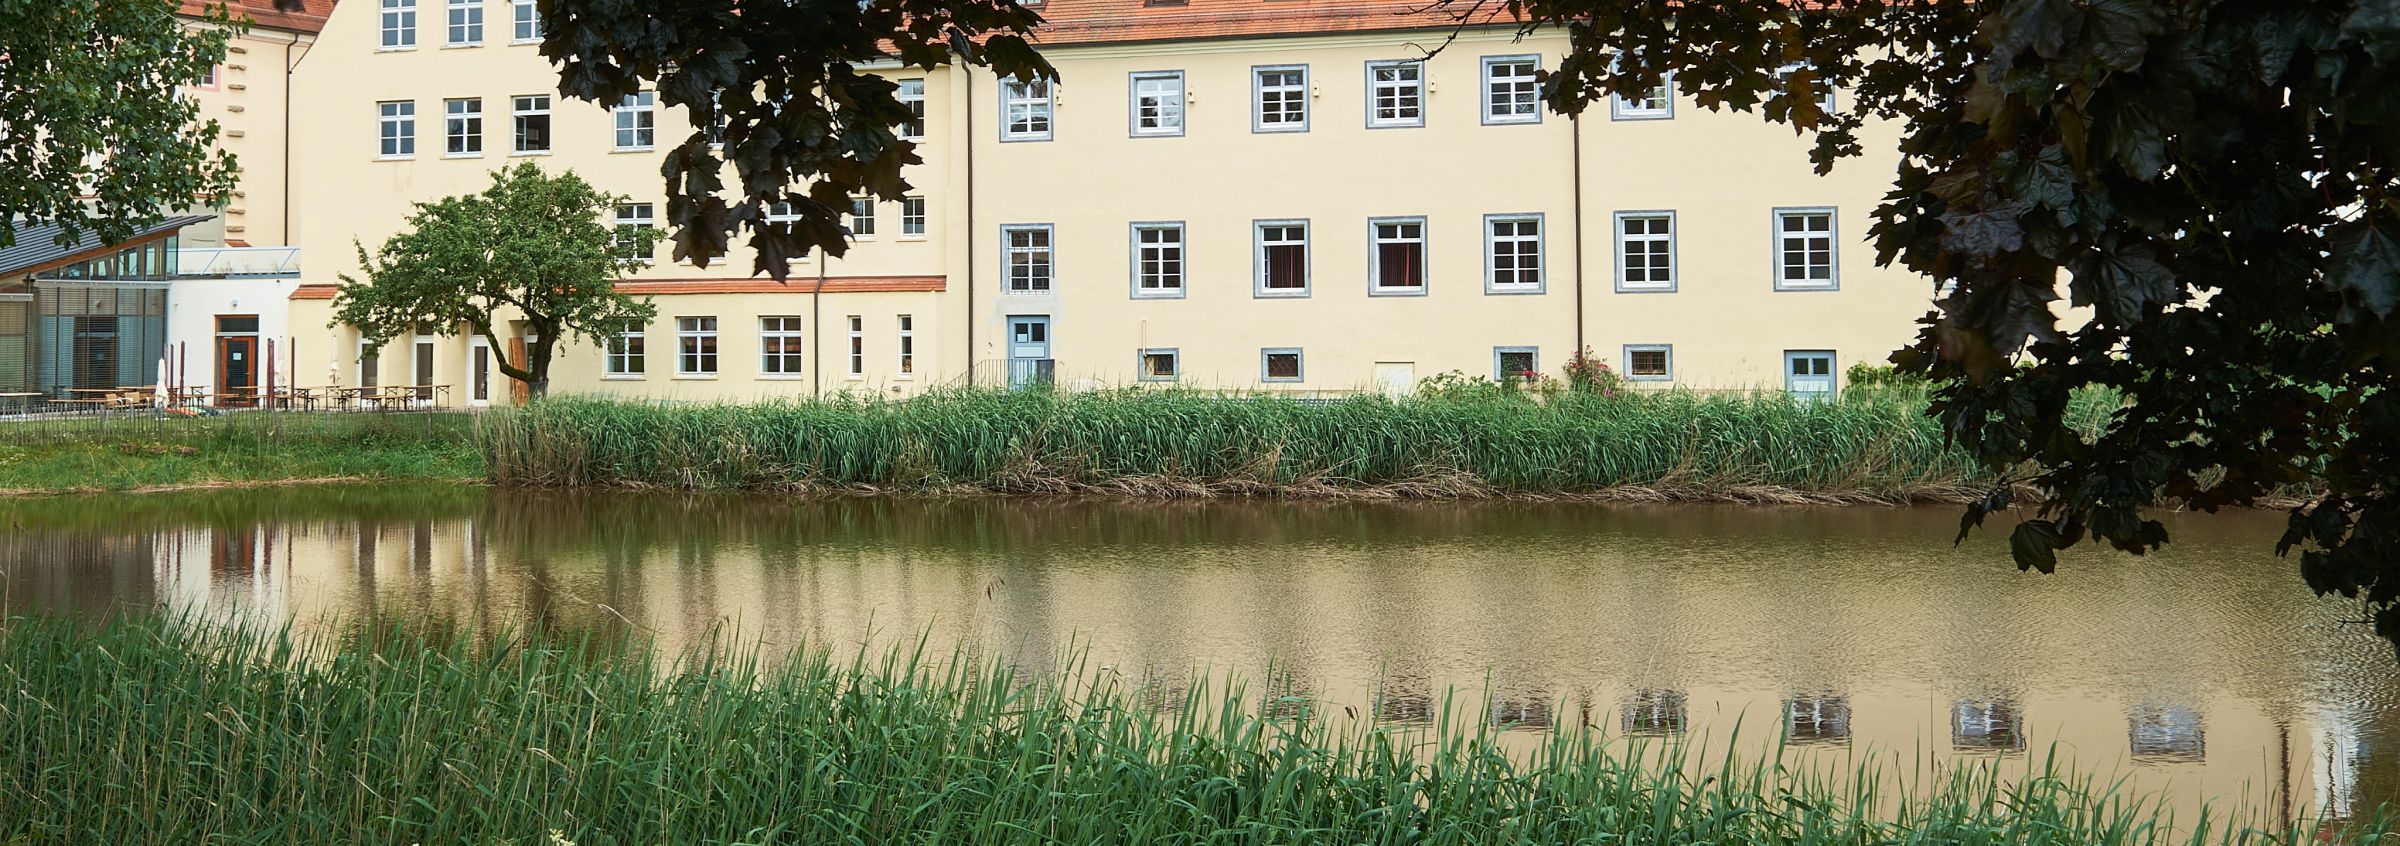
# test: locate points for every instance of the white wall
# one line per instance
(193, 304)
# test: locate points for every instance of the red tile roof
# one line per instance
(1118, 21)
(262, 13)
(798, 285)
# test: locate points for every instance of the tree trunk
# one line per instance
(537, 362)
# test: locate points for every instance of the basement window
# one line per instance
(1280, 365)
(1509, 363)
(1650, 362)
(1160, 365)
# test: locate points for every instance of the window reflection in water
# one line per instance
(1532, 709)
(1816, 718)
(1987, 725)
(1161, 694)
(2167, 734)
(1654, 712)
(1286, 697)
(1404, 702)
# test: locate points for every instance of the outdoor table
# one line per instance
(22, 401)
(436, 396)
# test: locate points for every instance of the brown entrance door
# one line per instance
(237, 369)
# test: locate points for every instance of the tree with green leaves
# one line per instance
(779, 81)
(2216, 181)
(94, 133)
(533, 243)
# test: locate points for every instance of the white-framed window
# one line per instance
(1282, 247)
(637, 121)
(625, 350)
(696, 346)
(1645, 251)
(529, 116)
(1025, 259)
(1396, 93)
(1512, 256)
(908, 345)
(1512, 93)
(399, 24)
(1280, 364)
(525, 21)
(1650, 362)
(208, 79)
(462, 126)
(466, 23)
(1823, 89)
(1658, 103)
(858, 346)
(1160, 364)
(912, 217)
(782, 211)
(1513, 363)
(1279, 98)
(632, 221)
(1158, 259)
(860, 222)
(912, 95)
(779, 346)
(1024, 110)
(1157, 107)
(396, 129)
(1397, 265)
(1804, 250)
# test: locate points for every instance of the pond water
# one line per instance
(2204, 672)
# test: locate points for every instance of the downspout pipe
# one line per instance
(1575, 134)
(972, 319)
(290, 66)
(816, 332)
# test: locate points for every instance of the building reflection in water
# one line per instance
(1987, 725)
(1816, 718)
(1652, 712)
(2344, 754)
(1349, 592)
(2167, 735)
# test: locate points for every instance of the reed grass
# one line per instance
(1867, 446)
(165, 730)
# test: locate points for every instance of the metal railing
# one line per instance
(237, 261)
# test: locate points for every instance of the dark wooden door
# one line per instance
(237, 369)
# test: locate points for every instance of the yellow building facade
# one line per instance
(1251, 196)
(249, 95)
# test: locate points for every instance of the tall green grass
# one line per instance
(1865, 446)
(167, 731)
(146, 451)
